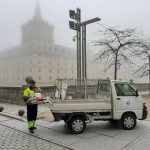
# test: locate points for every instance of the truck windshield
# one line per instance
(124, 89)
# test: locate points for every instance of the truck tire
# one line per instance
(128, 121)
(77, 125)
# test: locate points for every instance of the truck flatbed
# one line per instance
(81, 106)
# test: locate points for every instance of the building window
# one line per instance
(39, 69)
(39, 61)
(50, 78)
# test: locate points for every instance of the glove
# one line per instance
(25, 98)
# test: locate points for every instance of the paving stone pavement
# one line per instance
(11, 139)
(14, 135)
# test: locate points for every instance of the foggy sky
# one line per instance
(124, 13)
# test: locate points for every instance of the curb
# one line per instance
(13, 116)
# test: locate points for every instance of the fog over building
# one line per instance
(40, 57)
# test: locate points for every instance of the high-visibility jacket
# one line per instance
(29, 93)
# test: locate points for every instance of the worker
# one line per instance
(29, 95)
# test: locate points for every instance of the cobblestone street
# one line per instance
(11, 139)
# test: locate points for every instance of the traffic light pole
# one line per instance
(77, 26)
(78, 11)
(84, 66)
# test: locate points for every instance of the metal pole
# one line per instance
(80, 42)
(78, 11)
(149, 74)
(84, 76)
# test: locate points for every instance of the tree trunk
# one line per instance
(115, 73)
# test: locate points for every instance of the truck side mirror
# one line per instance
(137, 94)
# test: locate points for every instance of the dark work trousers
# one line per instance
(32, 112)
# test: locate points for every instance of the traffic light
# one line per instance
(76, 16)
(72, 14)
(73, 25)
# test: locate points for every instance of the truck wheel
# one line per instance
(77, 125)
(128, 121)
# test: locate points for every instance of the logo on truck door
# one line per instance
(128, 102)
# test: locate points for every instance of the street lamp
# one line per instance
(77, 26)
(84, 64)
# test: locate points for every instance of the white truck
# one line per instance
(78, 102)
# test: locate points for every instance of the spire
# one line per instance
(37, 13)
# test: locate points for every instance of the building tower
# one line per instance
(37, 45)
(37, 34)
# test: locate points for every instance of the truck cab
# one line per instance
(79, 102)
(128, 104)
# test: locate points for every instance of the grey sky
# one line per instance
(126, 13)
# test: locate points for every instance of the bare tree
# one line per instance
(144, 55)
(115, 47)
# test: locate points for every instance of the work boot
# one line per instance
(34, 127)
(31, 130)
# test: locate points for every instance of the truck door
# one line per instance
(127, 99)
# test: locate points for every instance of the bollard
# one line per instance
(21, 112)
(1, 108)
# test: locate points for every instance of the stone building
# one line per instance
(38, 56)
